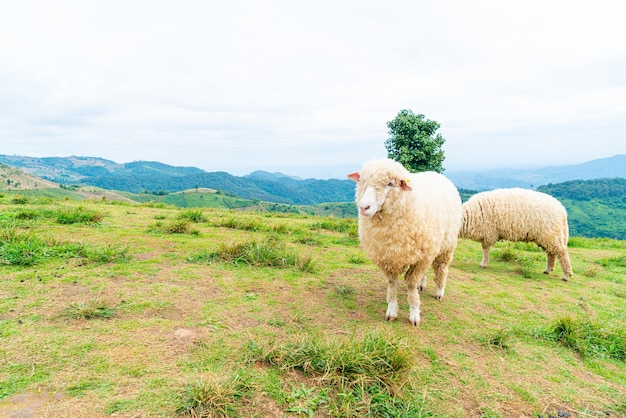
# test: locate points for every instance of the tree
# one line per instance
(414, 142)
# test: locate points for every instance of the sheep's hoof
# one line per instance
(483, 266)
(390, 318)
(546, 272)
(564, 278)
(415, 323)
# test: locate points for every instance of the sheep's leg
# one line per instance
(412, 276)
(392, 298)
(551, 259)
(423, 283)
(414, 303)
(440, 268)
(566, 264)
(485, 260)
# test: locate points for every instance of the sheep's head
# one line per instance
(375, 182)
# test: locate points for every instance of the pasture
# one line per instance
(125, 310)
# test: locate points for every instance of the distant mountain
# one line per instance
(613, 167)
(155, 177)
(596, 208)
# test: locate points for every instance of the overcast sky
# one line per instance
(307, 87)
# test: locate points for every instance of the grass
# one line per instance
(356, 376)
(213, 398)
(193, 215)
(80, 214)
(589, 338)
(258, 314)
(92, 309)
(270, 253)
(27, 248)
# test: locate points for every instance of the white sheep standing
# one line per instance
(518, 215)
(407, 220)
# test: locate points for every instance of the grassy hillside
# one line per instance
(113, 309)
(12, 178)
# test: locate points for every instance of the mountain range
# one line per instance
(158, 178)
(612, 167)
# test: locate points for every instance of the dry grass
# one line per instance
(179, 328)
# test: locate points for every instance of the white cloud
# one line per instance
(281, 85)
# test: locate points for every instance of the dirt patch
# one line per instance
(27, 405)
(188, 334)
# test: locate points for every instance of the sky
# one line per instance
(307, 87)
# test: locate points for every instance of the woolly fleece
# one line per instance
(518, 215)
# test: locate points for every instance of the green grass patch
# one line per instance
(371, 360)
(500, 339)
(269, 253)
(361, 377)
(19, 248)
(112, 253)
(25, 248)
(177, 226)
(193, 215)
(588, 338)
(244, 224)
(78, 215)
(213, 398)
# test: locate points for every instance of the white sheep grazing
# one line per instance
(407, 220)
(518, 215)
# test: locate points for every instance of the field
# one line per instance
(127, 310)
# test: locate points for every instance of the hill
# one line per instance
(596, 208)
(155, 177)
(12, 178)
(492, 179)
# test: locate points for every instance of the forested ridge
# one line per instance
(596, 208)
(588, 189)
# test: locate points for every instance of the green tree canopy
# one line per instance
(414, 142)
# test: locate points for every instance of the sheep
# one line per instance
(518, 215)
(406, 223)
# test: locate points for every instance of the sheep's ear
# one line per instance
(405, 186)
(355, 176)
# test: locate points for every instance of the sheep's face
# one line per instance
(371, 193)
